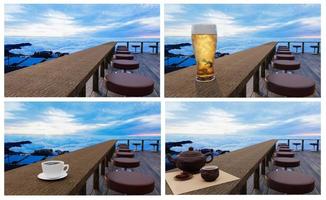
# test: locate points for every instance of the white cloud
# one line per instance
(228, 25)
(146, 120)
(220, 122)
(52, 24)
(171, 10)
(213, 121)
(59, 122)
(54, 122)
(11, 108)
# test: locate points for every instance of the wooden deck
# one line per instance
(310, 67)
(149, 67)
(309, 164)
(241, 163)
(150, 164)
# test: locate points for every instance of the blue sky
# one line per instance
(71, 118)
(246, 20)
(275, 119)
(69, 20)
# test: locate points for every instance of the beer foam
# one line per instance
(203, 29)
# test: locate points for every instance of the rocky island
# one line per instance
(16, 61)
(14, 159)
(176, 61)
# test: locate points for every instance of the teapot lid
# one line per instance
(191, 153)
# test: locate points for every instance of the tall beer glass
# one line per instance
(204, 39)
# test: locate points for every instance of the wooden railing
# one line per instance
(302, 44)
(141, 142)
(82, 164)
(241, 163)
(62, 77)
(232, 74)
(316, 143)
(141, 44)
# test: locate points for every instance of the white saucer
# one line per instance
(42, 176)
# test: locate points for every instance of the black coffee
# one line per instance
(52, 163)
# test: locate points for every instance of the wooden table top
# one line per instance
(59, 77)
(240, 163)
(24, 181)
(232, 72)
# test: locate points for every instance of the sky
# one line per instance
(82, 118)
(262, 20)
(85, 20)
(275, 119)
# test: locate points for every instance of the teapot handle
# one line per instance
(209, 154)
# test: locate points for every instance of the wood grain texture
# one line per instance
(240, 163)
(61, 77)
(232, 74)
(82, 164)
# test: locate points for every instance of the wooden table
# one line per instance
(82, 164)
(232, 73)
(61, 77)
(241, 163)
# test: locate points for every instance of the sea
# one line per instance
(224, 45)
(231, 142)
(72, 142)
(62, 143)
(68, 44)
(235, 44)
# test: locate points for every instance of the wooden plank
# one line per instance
(82, 163)
(232, 74)
(95, 81)
(96, 177)
(61, 77)
(240, 163)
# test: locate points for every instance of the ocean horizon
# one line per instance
(66, 44)
(71, 142)
(235, 44)
(229, 142)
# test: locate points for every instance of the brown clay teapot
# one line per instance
(191, 161)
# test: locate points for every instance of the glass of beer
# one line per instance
(204, 39)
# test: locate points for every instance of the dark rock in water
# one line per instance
(180, 61)
(59, 54)
(206, 151)
(218, 54)
(59, 152)
(9, 47)
(43, 54)
(9, 145)
(43, 152)
(169, 145)
(168, 47)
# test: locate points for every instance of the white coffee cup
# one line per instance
(54, 168)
